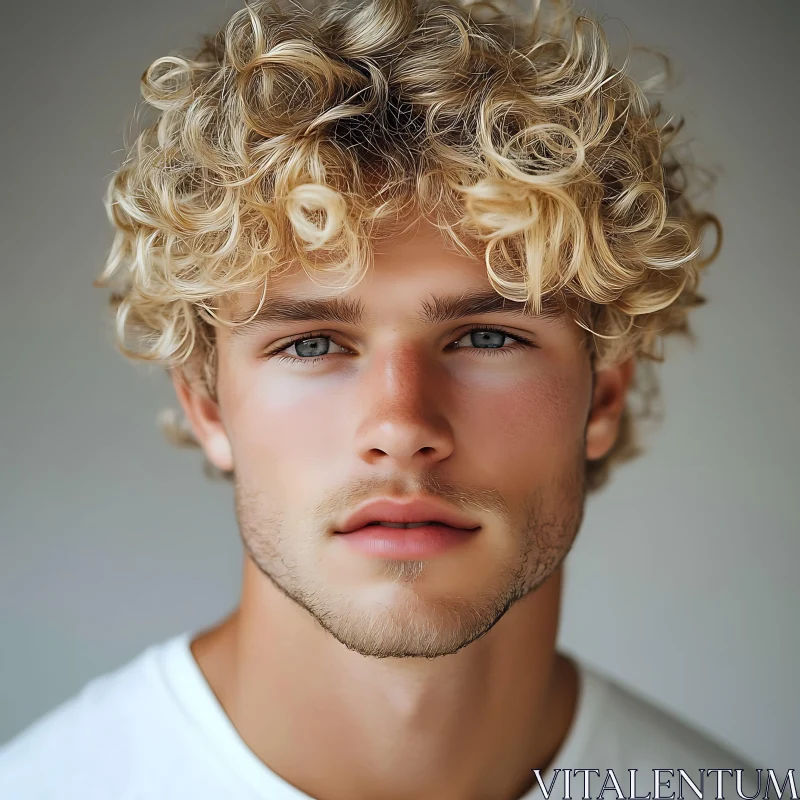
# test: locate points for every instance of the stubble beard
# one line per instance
(415, 626)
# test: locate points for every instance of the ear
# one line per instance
(203, 414)
(608, 402)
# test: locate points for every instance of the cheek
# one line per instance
(532, 425)
(277, 423)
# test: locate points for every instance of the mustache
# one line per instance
(463, 497)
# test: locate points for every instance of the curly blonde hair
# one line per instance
(298, 135)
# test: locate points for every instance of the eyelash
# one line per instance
(494, 351)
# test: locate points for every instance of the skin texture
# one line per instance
(354, 676)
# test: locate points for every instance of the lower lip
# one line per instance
(426, 540)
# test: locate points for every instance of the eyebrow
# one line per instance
(280, 308)
(435, 310)
(448, 308)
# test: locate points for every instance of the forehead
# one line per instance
(415, 273)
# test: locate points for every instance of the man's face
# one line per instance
(392, 407)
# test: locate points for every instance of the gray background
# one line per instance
(684, 580)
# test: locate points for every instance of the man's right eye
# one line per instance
(308, 348)
(318, 345)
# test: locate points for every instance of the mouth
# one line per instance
(419, 512)
(406, 527)
(406, 540)
(410, 525)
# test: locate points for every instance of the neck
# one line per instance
(338, 725)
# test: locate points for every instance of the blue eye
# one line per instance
(490, 338)
(308, 348)
(311, 349)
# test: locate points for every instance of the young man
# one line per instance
(401, 260)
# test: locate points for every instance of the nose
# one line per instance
(403, 427)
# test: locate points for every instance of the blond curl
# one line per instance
(299, 135)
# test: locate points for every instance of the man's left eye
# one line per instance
(484, 339)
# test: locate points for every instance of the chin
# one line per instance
(402, 621)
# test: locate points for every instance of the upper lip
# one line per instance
(415, 510)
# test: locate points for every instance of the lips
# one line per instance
(408, 511)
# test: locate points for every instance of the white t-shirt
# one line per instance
(154, 730)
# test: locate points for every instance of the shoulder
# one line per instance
(629, 731)
(647, 728)
(87, 746)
